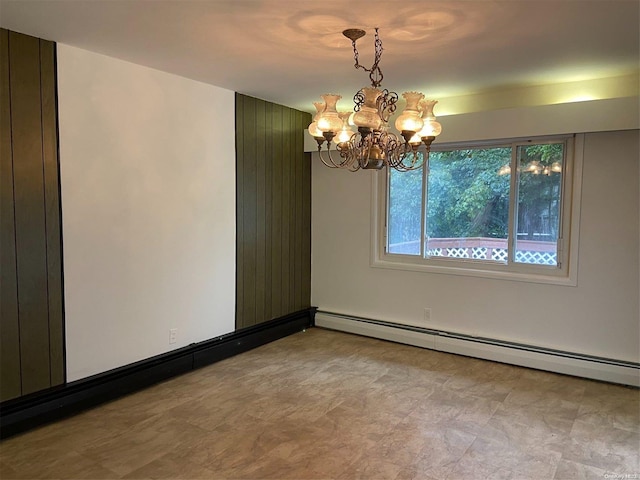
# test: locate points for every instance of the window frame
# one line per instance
(564, 274)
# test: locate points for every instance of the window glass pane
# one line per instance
(468, 204)
(539, 194)
(405, 211)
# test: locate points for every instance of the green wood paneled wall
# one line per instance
(31, 321)
(273, 202)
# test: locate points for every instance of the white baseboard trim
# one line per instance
(568, 363)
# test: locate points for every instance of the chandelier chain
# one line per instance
(375, 72)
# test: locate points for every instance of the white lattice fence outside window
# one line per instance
(488, 251)
(536, 258)
(499, 254)
(496, 254)
(458, 252)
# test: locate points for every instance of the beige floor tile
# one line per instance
(328, 405)
(171, 466)
(443, 449)
(143, 444)
(524, 430)
(568, 470)
(371, 468)
(610, 449)
(536, 463)
(7, 471)
(469, 468)
(69, 465)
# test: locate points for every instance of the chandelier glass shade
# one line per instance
(372, 145)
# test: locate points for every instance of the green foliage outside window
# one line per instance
(468, 195)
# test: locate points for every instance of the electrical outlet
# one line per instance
(427, 314)
(173, 335)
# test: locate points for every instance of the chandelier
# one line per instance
(373, 146)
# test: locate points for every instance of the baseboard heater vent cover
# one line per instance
(568, 363)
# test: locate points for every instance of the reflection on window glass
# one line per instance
(539, 195)
(468, 204)
(405, 211)
(470, 210)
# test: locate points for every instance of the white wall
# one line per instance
(604, 115)
(147, 164)
(600, 316)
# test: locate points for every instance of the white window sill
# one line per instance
(476, 270)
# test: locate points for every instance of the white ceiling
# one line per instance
(290, 51)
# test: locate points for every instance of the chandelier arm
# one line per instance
(327, 158)
(351, 164)
(399, 154)
(414, 163)
(363, 146)
(328, 161)
(347, 160)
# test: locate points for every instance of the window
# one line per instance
(496, 209)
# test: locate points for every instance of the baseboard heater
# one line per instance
(569, 363)
(23, 413)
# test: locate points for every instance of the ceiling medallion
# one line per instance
(373, 146)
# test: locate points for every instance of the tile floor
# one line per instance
(329, 405)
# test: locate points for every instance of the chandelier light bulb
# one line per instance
(320, 106)
(415, 140)
(344, 135)
(329, 120)
(432, 127)
(328, 124)
(556, 167)
(410, 120)
(314, 131)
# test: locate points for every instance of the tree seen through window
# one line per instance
(467, 204)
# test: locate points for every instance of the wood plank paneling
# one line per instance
(10, 384)
(249, 212)
(276, 209)
(52, 210)
(28, 182)
(239, 207)
(298, 199)
(32, 323)
(273, 194)
(286, 207)
(305, 293)
(292, 212)
(268, 173)
(260, 244)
